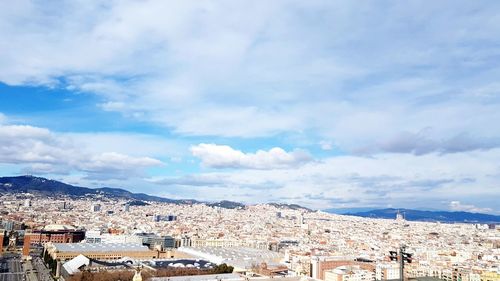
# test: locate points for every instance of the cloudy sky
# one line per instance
(329, 104)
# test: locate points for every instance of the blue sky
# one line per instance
(329, 104)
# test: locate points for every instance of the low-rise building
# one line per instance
(65, 251)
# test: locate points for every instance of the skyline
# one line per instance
(324, 104)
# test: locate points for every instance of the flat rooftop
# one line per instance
(107, 247)
(208, 277)
(190, 263)
(236, 256)
(227, 277)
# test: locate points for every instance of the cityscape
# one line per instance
(66, 236)
(237, 140)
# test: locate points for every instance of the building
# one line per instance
(56, 233)
(52, 233)
(399, 216)
(2, 236)
(8, 225)
(225, 243)
(185, 241)
(95, 208)
(387, 271)
(64, 205)
(490, 276)
(27, 203)
(224, 277)
(158, 218)
(96, 236)
(349, 273)
(321, 264)
(67, 251)
(242, 259)
(154, 241)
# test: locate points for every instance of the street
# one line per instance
(42, 272)
(11, 268)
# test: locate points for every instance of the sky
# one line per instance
(327, 104)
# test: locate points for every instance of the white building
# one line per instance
(387, 271)
(95, 236)
(349, 273)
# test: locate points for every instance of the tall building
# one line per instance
(64, 205)
(26, 245)
(156, 218)
(95, 208)
(400, 216)
(27, 203)
(2, 236)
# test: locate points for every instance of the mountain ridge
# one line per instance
(48, 187)
(43, 186)
(430, 216)
(39, 185)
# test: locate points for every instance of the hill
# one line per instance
(43, 186)
(433, 216)
(227, 205)
(290, 206)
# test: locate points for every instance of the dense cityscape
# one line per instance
(109, 235)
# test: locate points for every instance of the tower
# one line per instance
(27, 245)
(399, 216)
(2, 236)
(137, 275)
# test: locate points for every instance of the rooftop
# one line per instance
(108, 247)
(208, 277)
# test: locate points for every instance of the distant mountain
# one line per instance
(227, 205)
(341, 211)
(43, 186)
(432, 216)
(290, 206)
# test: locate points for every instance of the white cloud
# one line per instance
(117, 165)
(458, 206)
(198, 69)
(39, 150)
(409, 180)
(133, 144)
(223, 156)
(326, 145)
